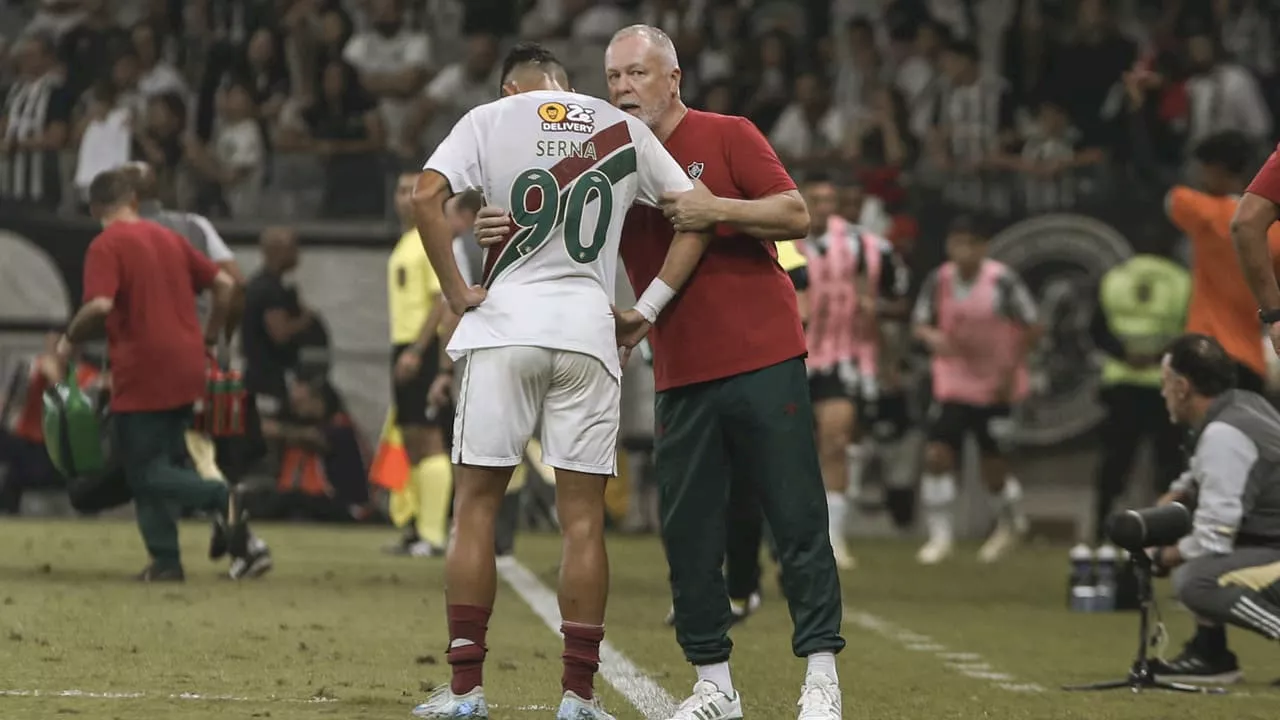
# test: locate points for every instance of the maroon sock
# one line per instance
(467, 626)
(581, 657)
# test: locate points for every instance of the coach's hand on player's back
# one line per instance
(493, 225)
(692, 211)
(466, 298)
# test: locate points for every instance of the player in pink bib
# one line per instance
(852, 273)
(979, 321)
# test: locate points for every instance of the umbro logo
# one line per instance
(695, 170)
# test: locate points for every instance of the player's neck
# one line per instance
(124, 214)
(670, 120)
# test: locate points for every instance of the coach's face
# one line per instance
(821, 199)
(641, 81)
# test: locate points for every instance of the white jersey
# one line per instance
(567, 167)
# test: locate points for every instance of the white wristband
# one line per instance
(655, 297)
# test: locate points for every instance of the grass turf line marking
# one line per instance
(638, 688)
(971, 665)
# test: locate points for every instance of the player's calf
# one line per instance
(584, 578)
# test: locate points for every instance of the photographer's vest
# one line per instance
(1145, 302)
(1257, 419)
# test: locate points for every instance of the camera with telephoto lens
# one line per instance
(1137, 530)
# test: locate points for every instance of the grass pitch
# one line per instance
(340, 630)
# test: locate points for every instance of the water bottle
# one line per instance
(1080, 586)
(1107, 570)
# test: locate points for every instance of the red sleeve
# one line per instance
(755, 167)
(101, 269)
(1266, 184)
(203, 271)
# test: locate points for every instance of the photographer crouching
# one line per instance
(1227, 569)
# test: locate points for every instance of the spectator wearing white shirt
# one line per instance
(157, 75)
(393, 63)
(459, 87)
(1223, 95)
(234, 164)
(810, 130)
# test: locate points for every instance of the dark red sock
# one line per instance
(467, 627)
(581, 657)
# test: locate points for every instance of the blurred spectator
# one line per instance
(265, 70)
(582, 20)
(722, 40)
(91, 46)
(863, 209)
(102, 131)
(335, 32)
(1052, 159)
(770, 81)
(880, 137)
(274, 317)
(718, 98)
(810, 131)
(54, 18)
(918, 76)
(343, 127)
(232, 166)
(859, 70)
(157, 74)
(1084, 72)
(34, 126)
(393, 63)
(975, 117)
(1222, 95)
(459, 87)
(157, 140)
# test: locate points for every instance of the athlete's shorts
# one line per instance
(507, 391)
(888, 417)
(949, 422)
(842, 381)
(410, 397)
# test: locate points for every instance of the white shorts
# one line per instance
(506, 391)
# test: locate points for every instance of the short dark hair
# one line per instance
(536, 54)
(110, 188)
(1229, 150)
(1204, 363)
(973, 225)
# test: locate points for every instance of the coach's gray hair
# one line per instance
(656, 37)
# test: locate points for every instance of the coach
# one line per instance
(1227, 569)
(732, 392)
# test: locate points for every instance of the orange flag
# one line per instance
(390, 468)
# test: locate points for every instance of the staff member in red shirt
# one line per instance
(732, 392)
(1258, 210)
(139, 281)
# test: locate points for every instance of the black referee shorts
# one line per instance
(410, 397)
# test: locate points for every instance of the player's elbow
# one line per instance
(797, 224)
(430, 193)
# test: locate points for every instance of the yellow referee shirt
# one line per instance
(789, 257)
(412, 287)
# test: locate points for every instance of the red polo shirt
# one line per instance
(738, 312)
(154, 339)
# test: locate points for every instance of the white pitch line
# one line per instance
(968, 664)
(638, 688)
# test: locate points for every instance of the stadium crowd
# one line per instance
(299, 109)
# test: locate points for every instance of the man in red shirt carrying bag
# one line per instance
(139, 279)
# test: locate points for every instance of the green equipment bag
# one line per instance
(73, 429)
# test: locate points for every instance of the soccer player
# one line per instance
(416, 310)
(139, 281)
(1253, 229)
(732, 400)
(850, 271)
(1221, 305)
(979, 322)
(541, 341)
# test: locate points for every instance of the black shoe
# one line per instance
(168, 574)
(1198, 667)
(218, 539)
(254, 562)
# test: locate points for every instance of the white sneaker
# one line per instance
(708, 703)
(844, 560)
(573, 707)
(819, 698)
(935, 551)
(1007, 535)
(444, 705)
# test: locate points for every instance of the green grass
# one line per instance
(365, 633)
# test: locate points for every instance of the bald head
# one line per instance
(279, 246)
(143, 179)
(655, 40)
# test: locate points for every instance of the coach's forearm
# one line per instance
(778, 217)
(682, 258)
(1253, 217)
